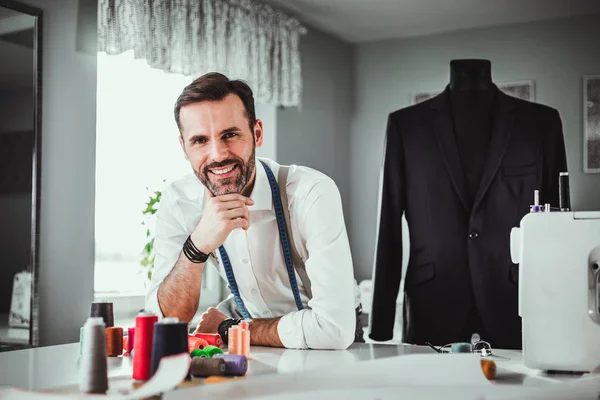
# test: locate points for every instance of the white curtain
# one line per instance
(243, 39)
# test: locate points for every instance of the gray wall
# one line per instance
(268, 115)
(316, 134)
(68, 158)
(554, 54)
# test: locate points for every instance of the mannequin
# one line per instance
(472, 100)
(462, 168)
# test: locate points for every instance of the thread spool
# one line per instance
(196, 343)
(213, 339)
(114, 341)
(216, 379)
(236, 364)
(125, 345)
(170, 338)
(103, 310)
(212, 350)
(244, 324)
(81, 333)
(245, 348)
(461, 348)
(130, 339)
(144, 333)
(203, 367)
(489, 369)
(199, 353)
(93, 373)
(234, 345)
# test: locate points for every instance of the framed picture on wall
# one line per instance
(591, 124)
(524, 90)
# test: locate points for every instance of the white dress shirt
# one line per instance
(328, 319)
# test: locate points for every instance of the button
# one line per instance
(473, 235)
(245, 261)
(265, 313)
(254, 291)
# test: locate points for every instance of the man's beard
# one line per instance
(234, 184)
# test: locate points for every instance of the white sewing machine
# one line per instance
(559, 289)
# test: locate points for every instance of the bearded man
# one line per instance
(275, 233)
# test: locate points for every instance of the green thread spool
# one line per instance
(199, 353)
(212, 350)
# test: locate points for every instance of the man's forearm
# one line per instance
(179, 293)
(263, 332)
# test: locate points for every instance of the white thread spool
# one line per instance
(93, 373)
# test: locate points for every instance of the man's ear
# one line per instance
(258, 133)
(183, 147)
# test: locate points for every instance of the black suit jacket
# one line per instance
(457, 252)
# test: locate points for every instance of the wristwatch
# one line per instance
(223, 329)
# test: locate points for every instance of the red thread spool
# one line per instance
(114, 341)
(213, 339)
(196, 343)
(144, 332)
(130, 339)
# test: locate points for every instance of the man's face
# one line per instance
(217, 140)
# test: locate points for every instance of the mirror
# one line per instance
(20, 135)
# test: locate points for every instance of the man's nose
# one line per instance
(218, 152)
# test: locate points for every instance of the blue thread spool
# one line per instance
(461, 347)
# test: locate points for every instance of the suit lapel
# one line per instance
(443, 127)
(504, 120)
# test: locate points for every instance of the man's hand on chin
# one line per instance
(210, 321)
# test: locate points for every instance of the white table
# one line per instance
(55, 368)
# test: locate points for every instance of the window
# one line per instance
(136, 150)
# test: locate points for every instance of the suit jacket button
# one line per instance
(473, 235)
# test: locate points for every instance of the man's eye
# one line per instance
(229, 135)
(200, 141)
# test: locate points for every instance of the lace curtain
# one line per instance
(243, 39)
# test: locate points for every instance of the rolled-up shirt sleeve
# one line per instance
(329, 321)
(169, 238)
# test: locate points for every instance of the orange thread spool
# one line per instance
(142, 347)
(216, 379)
(125, 352)
(196, 343)
(245, 348)
(114, 341)
(489, 369)
(244, 324)
(235, 340)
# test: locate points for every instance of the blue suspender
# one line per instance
(285, 245)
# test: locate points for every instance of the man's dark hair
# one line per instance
(214, 87)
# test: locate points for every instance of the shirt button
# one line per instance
(245, 261)
(254, 291)
(473, 235)
(265, 313)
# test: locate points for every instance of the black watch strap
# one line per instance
(192, 253)
(223, 329)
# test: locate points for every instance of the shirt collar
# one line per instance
(261, 193)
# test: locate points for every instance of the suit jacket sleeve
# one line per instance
(388, 259)
(555, 161)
